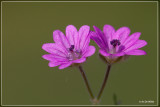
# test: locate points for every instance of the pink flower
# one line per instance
(69, 49)
(114, 44)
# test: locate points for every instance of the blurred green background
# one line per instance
(27, 79)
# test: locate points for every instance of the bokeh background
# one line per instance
(27, 79)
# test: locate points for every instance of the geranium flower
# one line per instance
(114, 44)
(69, 49)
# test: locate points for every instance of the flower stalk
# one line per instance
(86, 81)
(104, 82)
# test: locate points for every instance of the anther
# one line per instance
(71, 48)
(115, 42)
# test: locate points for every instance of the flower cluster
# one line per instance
(74, 47)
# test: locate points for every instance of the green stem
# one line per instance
(104, 82)
(86, 81)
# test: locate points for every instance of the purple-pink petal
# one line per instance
(104, 53)
(65, 65)
(60, 39)
(48, 57)
(108, 31)
(86, 43)
(54, 57)
(53, 64)
(89, 51)
(54, 49)
(131, 39)
(94, 37)
(83, 35)
(81, 60)
(136, 52)
(121, 34)
(101, 36)
(71, 34)
(138, 44)
(119, 54)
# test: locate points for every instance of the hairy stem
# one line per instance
(104, 82)
(86, 81)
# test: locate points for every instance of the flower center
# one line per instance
(115, 42)
(73, 54)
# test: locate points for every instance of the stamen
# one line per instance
(73, 54)
(115, 42)
(71, 48)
